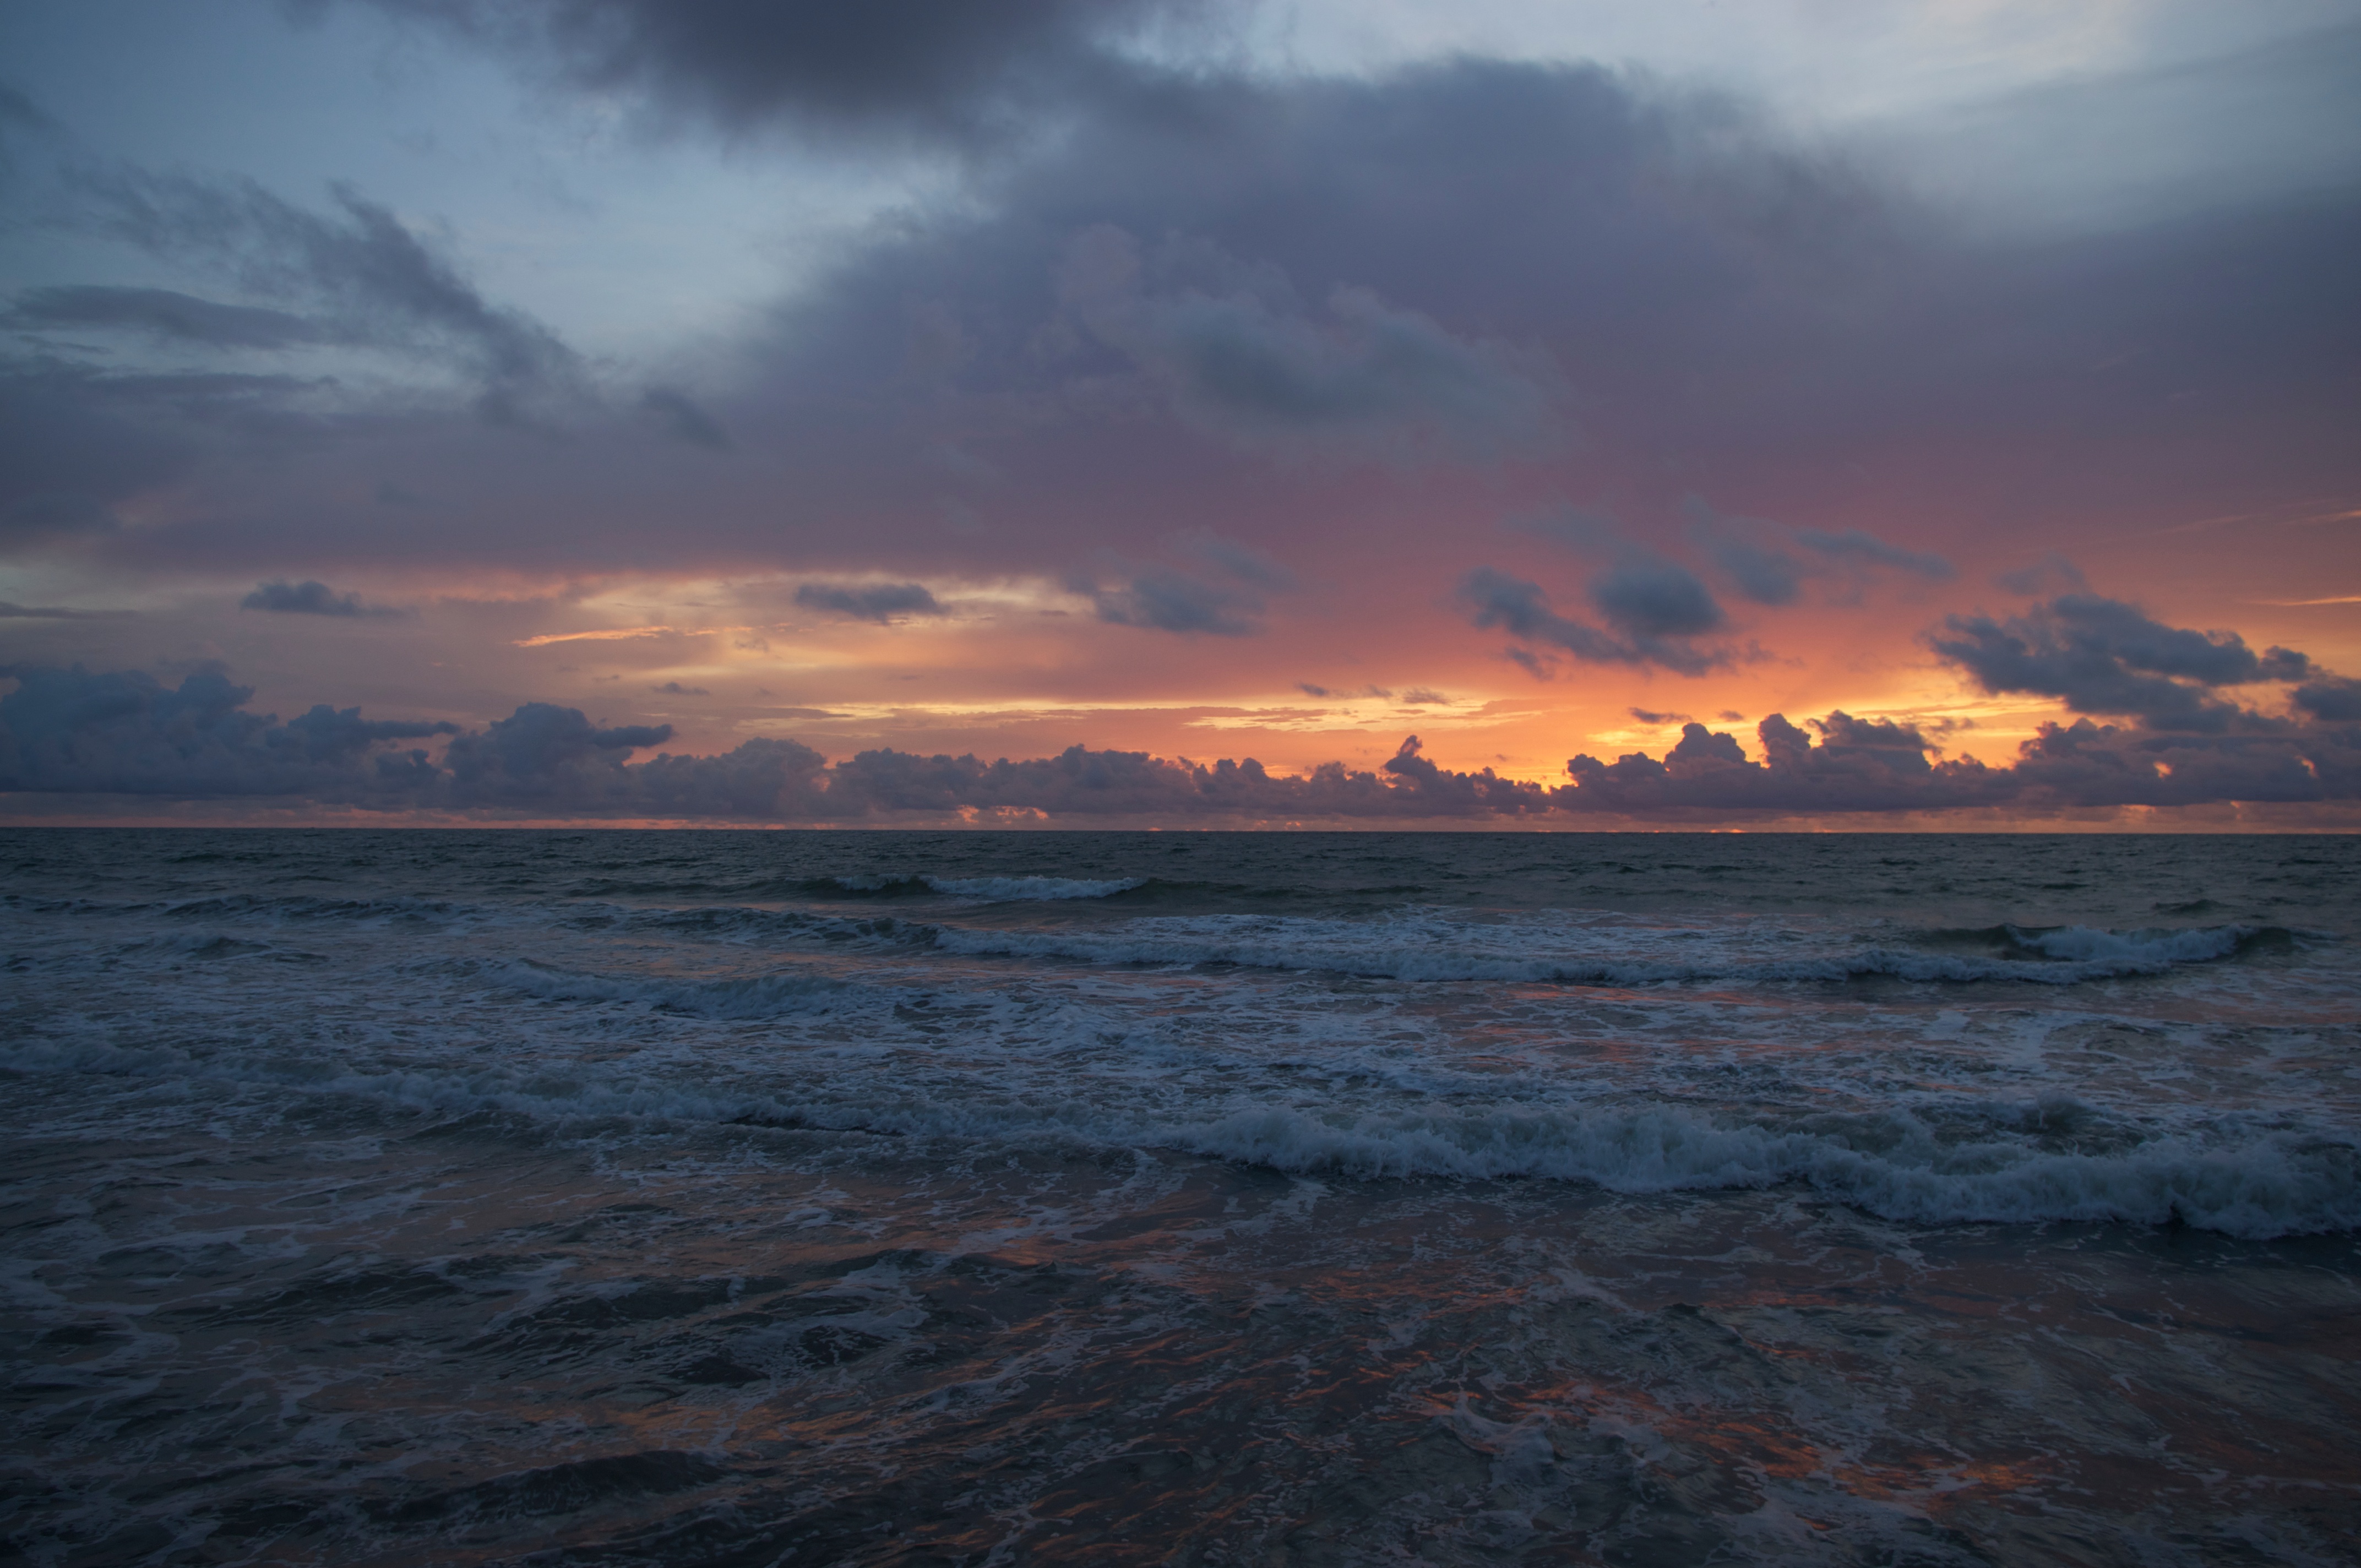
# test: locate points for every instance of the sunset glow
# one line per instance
(1205, 382)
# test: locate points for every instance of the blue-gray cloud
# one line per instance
(2101, 655)
(307, 597)
(164, 313)
(937, 70)
(1654, 608)
(882, 602)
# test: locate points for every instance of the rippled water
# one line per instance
(705, 1198)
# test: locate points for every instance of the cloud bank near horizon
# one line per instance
(2189, 741)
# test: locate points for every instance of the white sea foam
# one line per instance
(2255, 1182)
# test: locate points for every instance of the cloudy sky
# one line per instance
(1752, 412)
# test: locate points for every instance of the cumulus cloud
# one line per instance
(881, 602)
(1878, 765)
(122, 732)
(2101, 655)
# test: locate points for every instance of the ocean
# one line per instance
(750, 1198)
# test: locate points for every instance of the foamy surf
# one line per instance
(397, 1198)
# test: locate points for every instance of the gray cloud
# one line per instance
(1241, 356)
(307, 597)
(2053, 571)
(1883, 766)
(122, 733)
(1718, 301)
(2331, 701)
(1853, 545)
(2101, 655)
(1650, 600)
(684, 420)
(9, 611)
(946, 70)
(1646, 716)
(1762, 574)
(1167, 600)
(162, 312)
(1756, 553)
(372, 282)
(1655, 605)
(881, 603)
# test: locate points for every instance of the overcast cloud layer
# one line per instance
(1188, 387)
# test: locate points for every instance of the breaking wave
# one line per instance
(2250, 1182)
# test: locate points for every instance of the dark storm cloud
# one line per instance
(124, 733)
(162, 312)
(1660, 280)
(306, 598)
(881, 603)
(1655, 605)
(2101, 655)
(938, 68)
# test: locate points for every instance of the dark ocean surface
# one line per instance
(685, 1198)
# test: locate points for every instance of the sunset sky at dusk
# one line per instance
(690, 410)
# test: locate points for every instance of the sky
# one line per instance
(1793, 413)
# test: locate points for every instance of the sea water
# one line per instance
(689, 1197)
